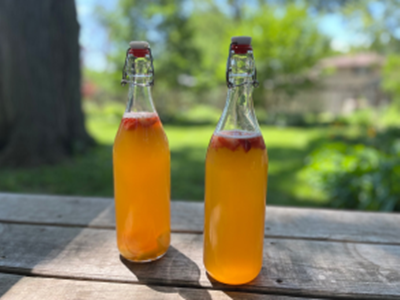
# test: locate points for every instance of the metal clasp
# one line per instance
(124, 73)
(229, 69)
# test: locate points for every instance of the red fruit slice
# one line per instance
(246, 144)
(257, 142)
(262, 143)
(230, 143)
(148, 122)
(130, 123)
(215, 143)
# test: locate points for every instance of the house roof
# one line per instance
(353, 60)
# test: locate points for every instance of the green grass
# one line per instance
(91, 173)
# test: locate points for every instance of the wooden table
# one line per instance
(64, 248)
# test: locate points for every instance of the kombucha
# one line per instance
(142, 187)
(236, 185)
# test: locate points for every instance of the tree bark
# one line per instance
(41, 119)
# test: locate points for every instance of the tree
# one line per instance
(192, 41)
(376, 21)
(390, 80)
(41, 119)
(172, 39)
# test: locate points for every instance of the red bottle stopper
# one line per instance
(241, 44)
(139, 49)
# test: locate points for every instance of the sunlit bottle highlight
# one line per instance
(236, 178)
(141, 161)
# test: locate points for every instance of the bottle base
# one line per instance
(142, 261)
(240, 282)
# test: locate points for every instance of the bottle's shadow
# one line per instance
(169, 271)
(236, 292)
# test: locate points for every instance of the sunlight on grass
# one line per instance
(90, 174)
(287, 147)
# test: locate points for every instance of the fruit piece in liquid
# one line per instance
(236, 185)
(141, 162)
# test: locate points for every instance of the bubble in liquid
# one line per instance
(139, 115)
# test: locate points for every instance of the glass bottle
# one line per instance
(141, 161)
(236, 178)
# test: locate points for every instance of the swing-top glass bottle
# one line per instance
(236, 178)
(141, 161)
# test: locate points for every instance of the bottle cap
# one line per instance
(139, 45)
(241, 40)
(139, 48)
(241, 44)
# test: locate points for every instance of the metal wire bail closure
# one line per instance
(124, 79)
(255, 83)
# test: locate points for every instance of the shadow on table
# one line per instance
(7, 281)
(237, 292)
(24, 247)
(174, 266)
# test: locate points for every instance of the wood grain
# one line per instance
(14, 287)
(188, 217)
(291, 267)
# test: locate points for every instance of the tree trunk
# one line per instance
(41, 119)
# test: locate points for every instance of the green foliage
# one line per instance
(391, 78)
(376, 21)
(359, 176)
(390, 116)
(196, 115)
(163, 24)
(88, 174)
(285, 40)
(106, 89)
(190, 45)
(362, 117)
(91, 173)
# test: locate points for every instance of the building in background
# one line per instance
(343, 84)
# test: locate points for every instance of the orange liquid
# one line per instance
(236, 186)
(141, 161)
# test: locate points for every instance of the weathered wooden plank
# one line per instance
(291, 267)
(57, 210)
(188, 217)
(15, 287)
(86, 211)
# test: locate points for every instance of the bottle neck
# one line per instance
(139, 99)
(239, 111)
(139, 77)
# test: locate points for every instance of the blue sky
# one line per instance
(93, 38)
(333, 25)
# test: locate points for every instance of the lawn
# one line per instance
(90, 174)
